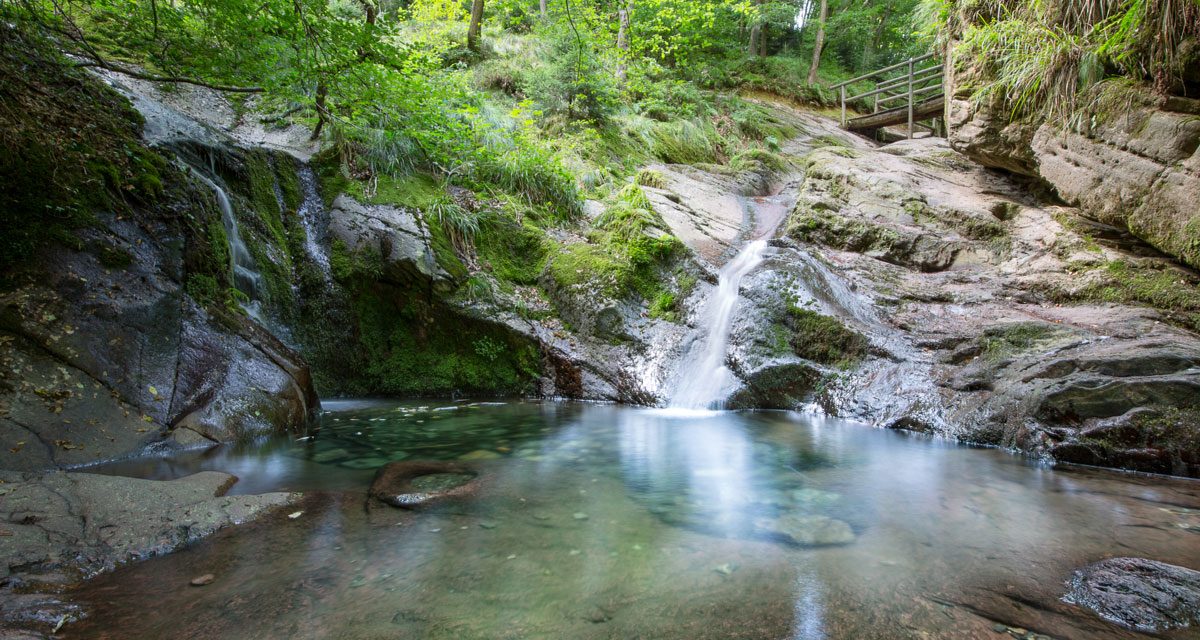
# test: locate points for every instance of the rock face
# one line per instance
(1142, 594)
(118, 331)
(1138, 169)
(102, 361)
(396, 235)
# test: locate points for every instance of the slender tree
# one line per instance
(819, 44)
(755, 32)
(476, 25)
(622, 41)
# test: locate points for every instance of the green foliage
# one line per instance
(685, 142)
(415, 348)
(575, 78)
(1001, 341)
(758, 161)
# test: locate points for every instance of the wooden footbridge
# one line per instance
(906, 93)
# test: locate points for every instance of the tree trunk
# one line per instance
(542, 7)
(319, 105)
(755, 34)
(622, 42)
(476, 25)
(819, 44)
(762, 42)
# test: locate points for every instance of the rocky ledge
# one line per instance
(58, 528)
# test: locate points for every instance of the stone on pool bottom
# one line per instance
(411, 484)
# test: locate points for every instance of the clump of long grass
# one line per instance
(758, 160)
(685, 142)
(1035, 67)
(1041, 57)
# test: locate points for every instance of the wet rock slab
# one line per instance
(412, 484)
(1142, 594)
(88, 523)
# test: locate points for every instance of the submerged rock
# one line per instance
(413, 484)
(1142, 594)
(808, 531)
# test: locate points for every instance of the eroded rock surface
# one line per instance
(102, 361)
(413, 484)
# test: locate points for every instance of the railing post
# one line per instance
(910, 98)
(842, 89)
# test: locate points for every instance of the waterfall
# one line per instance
(246, 278)
(704, 372)
(310, 213)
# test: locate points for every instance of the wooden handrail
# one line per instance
(913, 83)
(884, 70)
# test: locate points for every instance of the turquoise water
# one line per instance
(598, 521)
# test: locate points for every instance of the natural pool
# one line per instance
(599, 521)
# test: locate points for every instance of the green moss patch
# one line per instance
(412, 347)
(822, 338)
(1171, 290)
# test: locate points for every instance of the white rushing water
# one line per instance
(311, 210)
(704, 375)
(246, 277)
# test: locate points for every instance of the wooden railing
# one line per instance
(907, 91)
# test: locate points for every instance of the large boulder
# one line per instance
(117, 328)
(981, 347)
(104, 360)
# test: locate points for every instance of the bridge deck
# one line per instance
(921, 111)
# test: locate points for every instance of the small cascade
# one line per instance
(705, 375)
(314, 219)
(246, 278)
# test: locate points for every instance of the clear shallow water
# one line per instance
(611, 522)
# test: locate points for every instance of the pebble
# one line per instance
(725, 569)
(579, 515)
(512, 556)
(295, 514)
(200, 581)
(487, 525)
(575, 552)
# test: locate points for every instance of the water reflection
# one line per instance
(608, 522)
